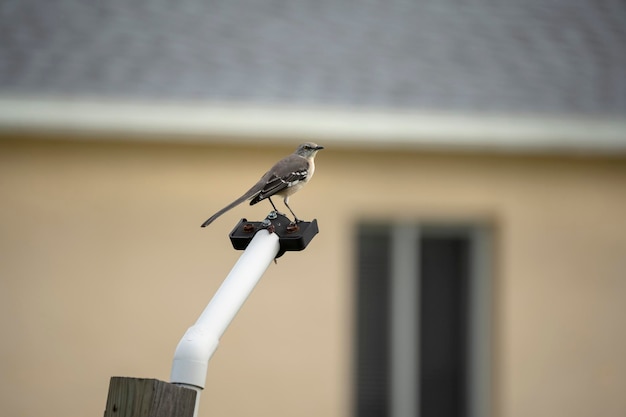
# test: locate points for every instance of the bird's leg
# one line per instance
(272, 203)
(286, 201)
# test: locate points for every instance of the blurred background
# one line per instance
(471, 201)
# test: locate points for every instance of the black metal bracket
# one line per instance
(292, 236)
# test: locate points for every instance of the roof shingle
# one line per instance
(530, 56)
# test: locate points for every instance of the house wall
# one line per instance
(104, 266)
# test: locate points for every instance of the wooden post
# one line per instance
(136, 397)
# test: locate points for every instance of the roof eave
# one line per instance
(373, 128)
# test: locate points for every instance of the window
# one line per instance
(423, 321)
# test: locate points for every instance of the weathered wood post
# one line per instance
(137, 397)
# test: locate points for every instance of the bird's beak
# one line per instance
(319, 148)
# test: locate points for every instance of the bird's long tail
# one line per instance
(249, 194)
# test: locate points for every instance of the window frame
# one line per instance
(403, 305)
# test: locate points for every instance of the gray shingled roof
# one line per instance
(529, 56)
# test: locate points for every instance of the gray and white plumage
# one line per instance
(286, 177)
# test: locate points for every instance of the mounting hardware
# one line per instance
(292, 236)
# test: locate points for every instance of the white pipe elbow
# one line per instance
(191, 359)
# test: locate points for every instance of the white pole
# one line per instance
(194, 350)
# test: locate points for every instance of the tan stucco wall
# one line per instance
(103, 266)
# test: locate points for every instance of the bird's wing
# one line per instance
(286, 173)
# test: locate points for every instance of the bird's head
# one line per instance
(308, 149)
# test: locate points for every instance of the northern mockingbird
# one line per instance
(285, 178)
